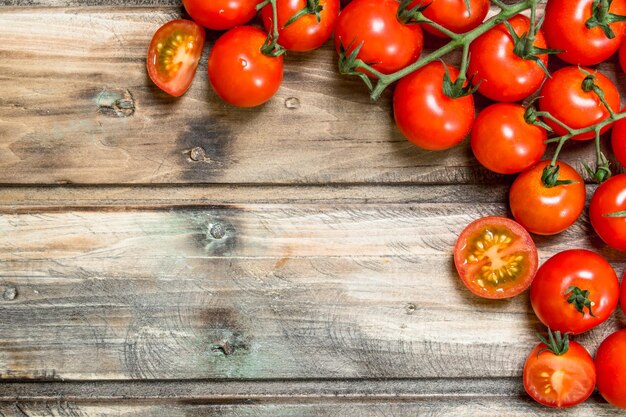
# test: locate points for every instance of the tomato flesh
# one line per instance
(174, 54)
(611, 366)
(495, 258)
(559, 381)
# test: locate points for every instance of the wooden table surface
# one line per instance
(182, 257)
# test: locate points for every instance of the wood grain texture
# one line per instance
(77, 107)
(258, 291)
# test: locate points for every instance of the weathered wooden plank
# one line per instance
(448, 407)
(258, 291)
(77, 107)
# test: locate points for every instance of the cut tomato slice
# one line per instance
(174, 54)
(495, 257)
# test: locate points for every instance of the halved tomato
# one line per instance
(559, 377)
(174, 54)
(495, 257)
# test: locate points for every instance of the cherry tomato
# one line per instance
(306, 33)
(574, 291)
(503, 75)
(619, 140)
(239, 72)
(495, 257)
(221, 14)
(547, 211)
(174, 54)
(387, 44)
(563, 96)
(503, 142)
(425, 115)
(610, 198)
(623, 294)
(565, 28)
(611, 367)
(561, 380)
(454, 15)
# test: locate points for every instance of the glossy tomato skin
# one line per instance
(622, 295)
(493, 241)
(579, 268)
(173, 55)
(611, 368)
(503, 142)
(425, 115)
(618, 140)
(504, 76)
(563, 96)
(622, 56)
(609, 198)
(559, 381)
(454, 15)
(221, 14)
(387, 44)
(565, 29)
(306, 33)
(547, 211)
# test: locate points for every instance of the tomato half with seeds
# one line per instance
(221, 14)
(495, 257)
(563, 377)
(607, 211)
(454, 15)
(611, 368)
(173, 55)
(547, 210)
(618, 139)
(574, 291)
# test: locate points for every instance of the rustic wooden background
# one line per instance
(181, 257)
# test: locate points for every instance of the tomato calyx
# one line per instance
(460, 87)
(580, 300)
(618, 214)
(602, 171)
(349, 63)
(312, 7)
(524, 44)
(602, 18)
(550, 177)
(556, 343)
(270, 46)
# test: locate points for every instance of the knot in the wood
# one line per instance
(197, 154)
(410, 308)
(217, 231)
(116, 104)
(292, 103)
(10, 294)
(224, 346)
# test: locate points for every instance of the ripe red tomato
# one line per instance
(239, 72)
(305, 33)
(610, 198)
(503, 75)
(221, 14)
(547, 211)
(618, 140)
(563, 96)
(173, 55)
(623, 294)
(611, 367)
(559, 380)
(425, 115)
(495, 258)
(454, 15)
(574, 291)
(388, 44)
(503, 142)
(622, 56)
(565, 28)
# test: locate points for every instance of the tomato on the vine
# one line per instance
(454, 15)
(426, 115)
(564, 97)
(504, 142)
(388, 44)
(239, 72)
(173, 55)
(495, 257)
(618, 140)
(547, 210)
(559, 374)
(565, 27)
(611, 368)
(305, 33)
(607, 203)
(503, 75)
(574, 291)
(221, 14)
